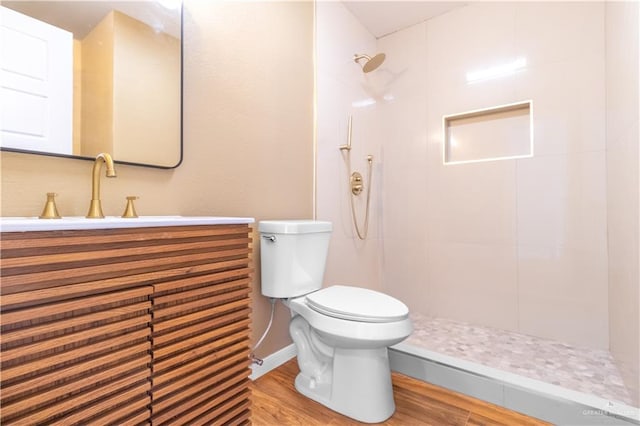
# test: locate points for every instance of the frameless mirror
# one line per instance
(83, 77)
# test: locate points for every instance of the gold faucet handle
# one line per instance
(50, 210)
(130, 210)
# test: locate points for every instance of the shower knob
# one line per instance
(356, 183)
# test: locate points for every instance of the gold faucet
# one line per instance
(95, 209)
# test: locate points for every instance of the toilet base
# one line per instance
(360, 385)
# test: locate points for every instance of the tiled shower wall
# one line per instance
(622, 60)
(343, 90)
(516, 244)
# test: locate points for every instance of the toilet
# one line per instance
(341, 333)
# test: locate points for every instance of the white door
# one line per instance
(36, 84)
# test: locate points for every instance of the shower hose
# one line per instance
(361, 234)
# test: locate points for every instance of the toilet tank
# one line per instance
(293, 254)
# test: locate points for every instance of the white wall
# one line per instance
(622, 58)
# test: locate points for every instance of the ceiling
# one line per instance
(80, 17)
(379, 17)
(385, 17)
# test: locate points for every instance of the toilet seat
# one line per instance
(357, 304)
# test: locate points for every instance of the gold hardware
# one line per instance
(95, 208)
(356, 183)
(130, 210)
(372, 62)
(355, 179)
(50, 211)
(347, 147)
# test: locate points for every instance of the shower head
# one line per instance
(372, 62)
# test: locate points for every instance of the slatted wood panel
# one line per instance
(76, 323)
(76, 361)
(201, 347)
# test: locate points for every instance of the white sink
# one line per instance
(24, 224)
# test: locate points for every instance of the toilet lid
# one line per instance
(357, 304)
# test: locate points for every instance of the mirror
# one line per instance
(84, 77)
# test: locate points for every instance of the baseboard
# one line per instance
(273, 361)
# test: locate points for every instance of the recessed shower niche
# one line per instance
(495, 133)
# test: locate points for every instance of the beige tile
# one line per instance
(405, 276)
(472, 203)
(622, 182)
(339, 35)
(623, 199)
(562, 201)
(622, 59)
(404, 215)
(354, 262)
(476, 36)
(568, 102)
(402, 71)
(556, 31)
(473, 283)
(562, 294)
(449, 93)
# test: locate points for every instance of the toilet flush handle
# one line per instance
(271, 238)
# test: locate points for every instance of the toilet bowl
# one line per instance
(344, 362)
(341, 332)
(356, 325)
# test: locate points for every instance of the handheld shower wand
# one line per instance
(347, 147)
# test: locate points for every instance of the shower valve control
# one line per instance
(356, 183)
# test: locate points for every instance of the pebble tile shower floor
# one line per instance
(581, 369)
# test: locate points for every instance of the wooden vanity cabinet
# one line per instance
(126, 326)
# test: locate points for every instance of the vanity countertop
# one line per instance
(24, 224)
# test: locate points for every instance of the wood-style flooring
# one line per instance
(276, 402)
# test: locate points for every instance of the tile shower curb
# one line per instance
(528, 396)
